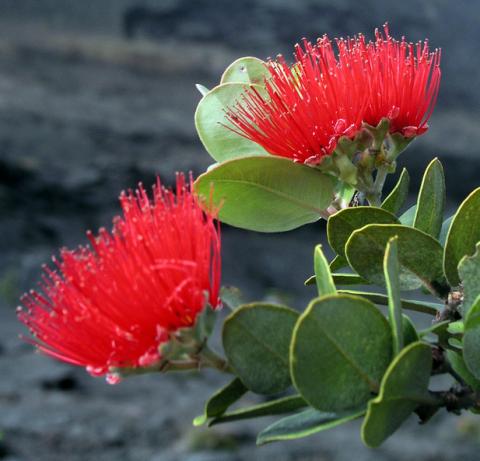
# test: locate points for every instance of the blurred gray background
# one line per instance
(96, 96)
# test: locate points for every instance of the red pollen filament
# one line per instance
(327, 93)
(114, 303)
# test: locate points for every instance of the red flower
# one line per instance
(326, 94)
(114, 304)
(403, 82)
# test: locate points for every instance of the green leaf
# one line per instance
(275, 407)
(391, 269)
(396, 199)
(203, 90)
(256, 339)
(410, 334)
(469, 271)
(419, 256)
(456, 328)
(459, 366)
(266, 194)
(211, 122)
(337, 263)
(341, 225)
(341, 279)
(246, 70)
(444, 231)
(340, 349)
(219, 402)
(439, 329)
(306, 423)
(431, 200)
(404, 387)
(345, 193)
(231, 297)
(471, 339)
(323, 276)
(407, 218)
(463, 235)
(423, 307)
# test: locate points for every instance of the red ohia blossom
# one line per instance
(112, 305)
(325, 94)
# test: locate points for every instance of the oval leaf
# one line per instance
(419, 256)
(431, 200)
(246, 70)
(256, 339)
(396, 199)
(306, 423)
(341, 225)
(266, 194)
(340, 349)
(404, 387)
(463, 235)
(212, 125)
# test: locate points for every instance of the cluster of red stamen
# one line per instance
(326, 94)
(113, 304)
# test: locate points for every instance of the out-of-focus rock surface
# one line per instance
(97, 96)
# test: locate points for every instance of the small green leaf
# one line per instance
(469, 271)
(456, 328)
(439, 329)
(463, 235)
(246, 70)
(211, 122)
(471, 339)
(341, 279)
(341, 225)
(391, 269)
(459, 366)
(256, 339)
(231, 297)
(266, 194)
(306, 423)
(203, 90)
(275, 407)
(345, 193)
(219, 402)
(404, 387)
(323, 276)
(407, 218)
(396, 199)
(340, 348)
(410, 334)
(455, 343)
(431, 200)
(419, 256)
(423, 307)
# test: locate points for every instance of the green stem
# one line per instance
(374, 196)
(210, 359)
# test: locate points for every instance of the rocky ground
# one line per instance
(85, 112)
